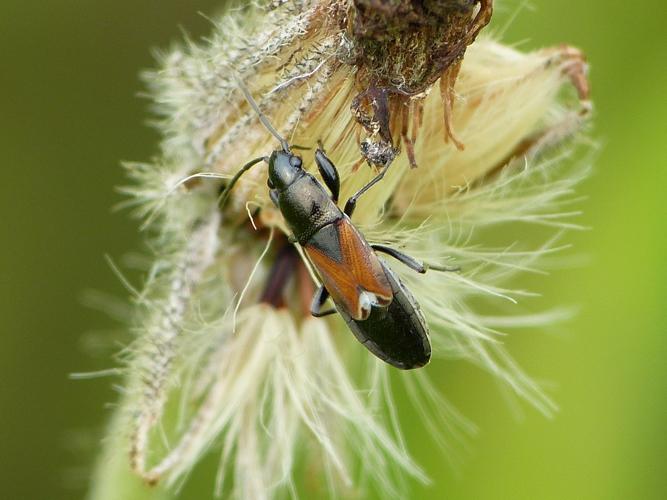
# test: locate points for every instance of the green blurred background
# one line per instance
(70, 112)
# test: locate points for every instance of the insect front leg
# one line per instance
(352, 202)
(328, 172)
(320, 297)
(411, 262)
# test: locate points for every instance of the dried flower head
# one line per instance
(223, 360)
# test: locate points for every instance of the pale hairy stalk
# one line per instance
(159, 349)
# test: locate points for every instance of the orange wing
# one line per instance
(348, 267)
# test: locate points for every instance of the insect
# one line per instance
(377, 307)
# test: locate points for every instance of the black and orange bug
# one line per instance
(377, 307)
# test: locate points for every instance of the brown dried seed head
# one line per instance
(400, 49)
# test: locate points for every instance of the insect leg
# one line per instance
(320, 297)
(411, 262)
(352, 202)
(328, 172)
(274, 198)
(237, 176)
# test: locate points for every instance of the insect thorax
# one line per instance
(307, 207)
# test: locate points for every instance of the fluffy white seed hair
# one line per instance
(280, 396)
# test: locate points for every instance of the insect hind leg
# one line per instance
(320, 297)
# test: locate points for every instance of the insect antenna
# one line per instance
(262, 117)
(225, 194)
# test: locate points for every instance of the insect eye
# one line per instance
(295, 161)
